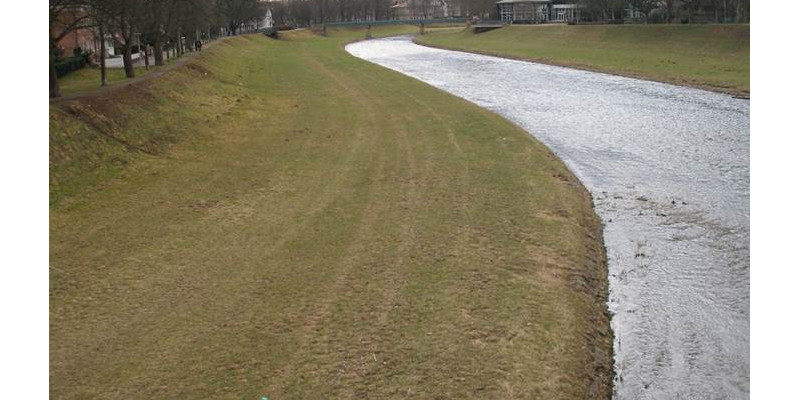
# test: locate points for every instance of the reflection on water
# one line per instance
(669, 170)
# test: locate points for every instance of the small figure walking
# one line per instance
(198, 45)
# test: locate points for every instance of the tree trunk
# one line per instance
(669, 11)
(738, 11)
(725, 10)
(102, 57)
(158, 51)
(180, 43)
(55, 91)
(127, 61)
(146, 58)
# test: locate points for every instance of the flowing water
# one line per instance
(669, 170)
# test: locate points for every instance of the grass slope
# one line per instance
(279, 218)
(715, 57)
(87, 79)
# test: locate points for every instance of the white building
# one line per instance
(267, 22)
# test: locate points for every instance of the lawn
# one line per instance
(278, 218)
(715, 57)
(87, 79)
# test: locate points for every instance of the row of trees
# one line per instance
(151, 23)
(668, 11)
(163, 23)
(310, 12)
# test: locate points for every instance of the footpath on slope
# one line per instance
(103, 90)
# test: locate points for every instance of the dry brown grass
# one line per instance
(318, 227)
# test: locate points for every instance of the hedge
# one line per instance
(68, 65)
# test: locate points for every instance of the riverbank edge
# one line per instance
(741, 94)
(595, 264)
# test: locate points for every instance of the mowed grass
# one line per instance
(715, 57)
(87, 79)
(278, 218)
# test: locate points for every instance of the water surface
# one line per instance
(669, 170)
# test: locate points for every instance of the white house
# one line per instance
(267, 22)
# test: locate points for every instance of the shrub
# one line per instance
(68, 65)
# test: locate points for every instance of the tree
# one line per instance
(122, 19)
(689, 8)
(645, 7)
(236, 13)
(66, 16)
(280, 12)
(158, 23)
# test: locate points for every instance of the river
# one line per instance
(669, 170)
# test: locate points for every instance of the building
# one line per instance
(565, 12)
(537, 11)
(267, 22)
(424, 9)
(85, 38)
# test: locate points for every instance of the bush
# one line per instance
(68, 65)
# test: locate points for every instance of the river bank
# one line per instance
(711, 57)
(278, 218)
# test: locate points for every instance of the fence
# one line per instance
(431, 21)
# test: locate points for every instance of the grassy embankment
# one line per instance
(715, 57)
(87, 79)
(279, 218)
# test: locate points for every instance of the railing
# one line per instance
(490, 22)
(430, 21)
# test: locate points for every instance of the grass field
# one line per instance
(87, 79)
(715, 57)
(278, 218)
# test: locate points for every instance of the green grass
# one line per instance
(278, 218)
(715, 57)
(87, 79)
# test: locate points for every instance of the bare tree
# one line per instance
(645, 7)
(123, 17)
(66, 16)
(158, 23)
(237, 13)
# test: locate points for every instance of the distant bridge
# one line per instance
(485, 26)
(431, 21)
